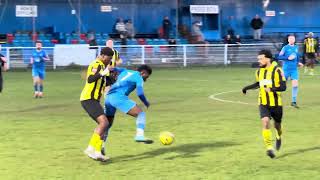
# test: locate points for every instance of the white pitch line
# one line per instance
(214, 97)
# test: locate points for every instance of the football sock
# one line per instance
(140, 123)
(41, 88)
(35, 86)
(294, 93)
(98, 146)
(94, 142)
(266, 133)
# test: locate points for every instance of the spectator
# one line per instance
(228, 39)
(238, 39)
(166, 26)
(196, 32)
(121, 29)
(257, 24)
(130, 29)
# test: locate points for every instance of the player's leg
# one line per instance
(40, 84)
(96, 112)
(126, 105)
(110, 112)
(307, 65)
(35, 78)
(140, 124)
(294, 82)
(312, 62)
(266, 131)
(276, 114)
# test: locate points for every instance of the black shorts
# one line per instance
(310, 56)
(93, 108)
(271, 112)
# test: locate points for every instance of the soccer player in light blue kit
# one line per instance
(289, 54)
(117, 98)
(37, 60)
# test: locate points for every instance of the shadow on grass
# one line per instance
(182, 151)
(299, 151)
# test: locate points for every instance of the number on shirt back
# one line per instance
(126, 76)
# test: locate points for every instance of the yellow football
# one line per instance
(166, 138)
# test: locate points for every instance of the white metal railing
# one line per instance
(157, 55)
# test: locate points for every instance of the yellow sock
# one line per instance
(94, 139)
(98, 145)
(266, 133)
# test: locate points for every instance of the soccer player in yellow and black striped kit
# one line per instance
(311, 47)
(271, 82)
(90, 101)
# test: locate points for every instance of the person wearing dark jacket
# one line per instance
(257, 24)
(166, 25)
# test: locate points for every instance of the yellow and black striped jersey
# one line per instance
(271, 77)
(310, 45)
(94, 87)
(115, 59)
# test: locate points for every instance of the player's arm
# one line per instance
(282, 81)
(252, 86)
(45, 56)
(249, 87)
(140, 92)
(282, 51)
(96, 73)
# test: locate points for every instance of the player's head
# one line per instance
(310, 34)
(291, 39)
(264, 58)
(106, 55)
(145, 71)
(109, 43)
(38, 45)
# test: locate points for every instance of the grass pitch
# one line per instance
(45, 138)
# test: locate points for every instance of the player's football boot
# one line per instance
(270, 153)
(294, 104)
(143, 139)
(101, 157)
(90, 152)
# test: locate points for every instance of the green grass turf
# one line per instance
(45, 138)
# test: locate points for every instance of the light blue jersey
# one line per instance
(117, 97)
(38, 61)
(287, 51)
(127, 81)
(38, 66)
